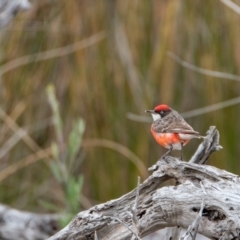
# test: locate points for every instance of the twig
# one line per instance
(203, 188)
(231, 5)
(58, 52)
(95, 236)
(175, 232)
(96, 142)
(193, 228)
(209, 145)
(134, 208)
(125, 225)
(203, 70)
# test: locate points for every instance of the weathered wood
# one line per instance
(167, 206)
(15, 224)
(176, 205)
(9, 8)
(209, 145)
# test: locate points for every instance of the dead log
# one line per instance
(168, 206)
(15, 224)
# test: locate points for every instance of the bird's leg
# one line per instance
(170, 149)
(181, 152)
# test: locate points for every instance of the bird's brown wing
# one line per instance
(180, 128)
(173, 123)
(185, 131)
(168, 127)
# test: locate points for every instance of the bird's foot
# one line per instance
(163, 156)
(167, 153)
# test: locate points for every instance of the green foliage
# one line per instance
(64, 156)
(56, 115)
(73, 189)
(75, 139)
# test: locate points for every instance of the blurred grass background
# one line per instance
(127, 69)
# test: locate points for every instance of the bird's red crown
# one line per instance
(162, 107)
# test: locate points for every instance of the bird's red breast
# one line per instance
(169, 139)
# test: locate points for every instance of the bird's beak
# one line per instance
(150, 111)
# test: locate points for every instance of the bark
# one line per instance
(217, 191)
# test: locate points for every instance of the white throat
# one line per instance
(156, 116)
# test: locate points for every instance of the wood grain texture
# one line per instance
(168, 206)
(22, 225)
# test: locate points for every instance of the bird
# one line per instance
(170, 130)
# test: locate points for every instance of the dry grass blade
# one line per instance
(203, 70)
(18, 110)
(138, 118)
(22, 133)
(11, 142)
(8, 171)
(58, 52)
(15, 128)
(192, 113)
(127, 60)
(211, 108)
(231, 5)
(119, 148)
(14, 115)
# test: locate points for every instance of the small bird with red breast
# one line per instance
(170, 130)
